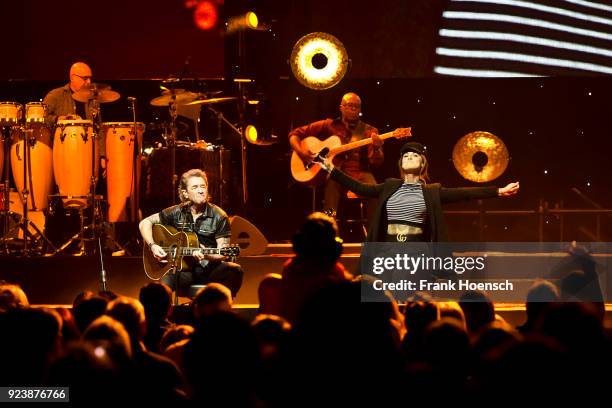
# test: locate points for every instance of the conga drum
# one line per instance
(120, 165)
(1, 158)
(10, 115)
(72, 159)
(39, 172)
(35, 112)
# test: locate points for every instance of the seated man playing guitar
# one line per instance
(194, 216)
(355, 162)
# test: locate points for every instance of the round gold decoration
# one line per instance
(480, 156)
(319, 60)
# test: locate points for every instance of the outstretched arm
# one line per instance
(509, 190)
(367, 190)
(452, 195)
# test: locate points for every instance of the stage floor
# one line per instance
(58, 279)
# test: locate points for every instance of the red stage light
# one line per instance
(205, 15)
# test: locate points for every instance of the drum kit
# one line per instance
(56, 169)
(68, 160)
(174, 98)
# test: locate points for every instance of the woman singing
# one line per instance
(410, 209)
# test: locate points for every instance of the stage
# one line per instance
(57, 280)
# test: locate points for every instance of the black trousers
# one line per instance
(334, 192)
(226, 273)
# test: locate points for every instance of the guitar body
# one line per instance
(167, 236)
(315, 175)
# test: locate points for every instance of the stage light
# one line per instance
(259, 130)
(319, 60)
(251, 20)
(248, 20)
(251, 134)
(205, 15)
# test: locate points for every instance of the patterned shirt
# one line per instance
(407, 205)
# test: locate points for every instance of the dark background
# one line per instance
(558, 124)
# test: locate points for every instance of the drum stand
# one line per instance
(96, 227)
(134, 200)
(28, 140)
(6, 213)
(172, 145)
(97, 230)
(24, 221)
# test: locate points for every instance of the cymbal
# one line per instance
(480, 157)
(210, 101)
(181, 97)
(99, 92)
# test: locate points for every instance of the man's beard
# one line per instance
(352, 122)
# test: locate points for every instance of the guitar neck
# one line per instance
(188, 251)
(358, 143)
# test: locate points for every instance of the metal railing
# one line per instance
(542, 212)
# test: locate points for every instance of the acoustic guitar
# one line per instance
(180, 246)
(312, 174)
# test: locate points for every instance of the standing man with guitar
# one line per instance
(349, 128)
(195, 216)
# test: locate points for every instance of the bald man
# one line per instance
(60, 100)
(61, 105)
(356, 162)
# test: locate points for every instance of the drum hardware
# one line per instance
(210, 101)
(39, 165)
(136, 153)
(6, 214)
(24, 221)
(101, 93)
(172, 98)
(94, 94)
(10, 119)
(85, 232)
(10, 115)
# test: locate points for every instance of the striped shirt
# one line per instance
(407, 205)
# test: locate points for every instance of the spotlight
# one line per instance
(258, 128)
(251, 134)
(205, 15)
(248, 20)
(319, 60)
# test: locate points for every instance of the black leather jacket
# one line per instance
(209, 226)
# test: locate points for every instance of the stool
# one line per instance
(188, 292)
(353, 218)
(194, 289)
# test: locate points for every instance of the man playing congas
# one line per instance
(61, 105)
(69, 115)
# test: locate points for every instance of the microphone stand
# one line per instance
(134, 196)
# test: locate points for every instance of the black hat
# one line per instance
(413, 147)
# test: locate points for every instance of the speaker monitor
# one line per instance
(247, 236)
